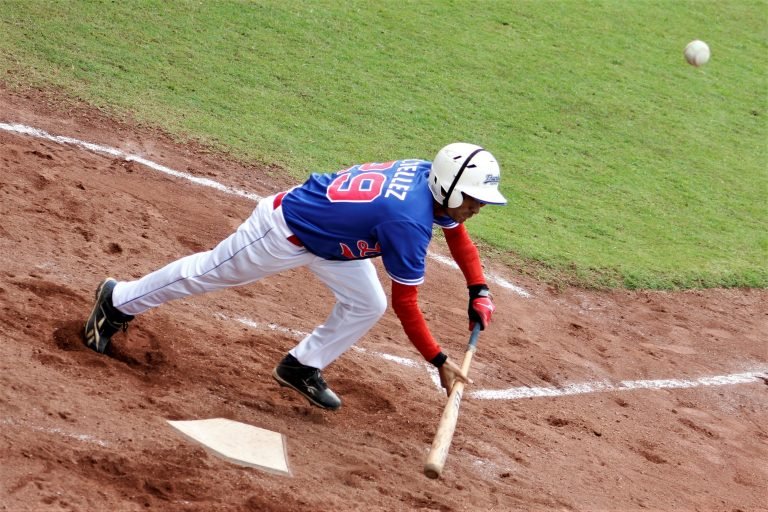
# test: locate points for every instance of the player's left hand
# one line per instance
(449, 374)
(481, 306)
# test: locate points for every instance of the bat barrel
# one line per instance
(432, 470)
(435, 463)
(433, 467)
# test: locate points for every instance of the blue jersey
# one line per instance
(368, 210)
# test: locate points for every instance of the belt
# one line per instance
(275, 205)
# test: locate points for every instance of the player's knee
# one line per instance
(376, 305)
(381, 306)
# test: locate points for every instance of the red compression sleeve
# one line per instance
(465, 253)
(406, 306)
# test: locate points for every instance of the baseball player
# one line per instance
(333, 224)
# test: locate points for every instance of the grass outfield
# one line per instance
(625, 166)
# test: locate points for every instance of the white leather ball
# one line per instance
(697, 53)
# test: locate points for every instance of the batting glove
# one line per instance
(481, 306)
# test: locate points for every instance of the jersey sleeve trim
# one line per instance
(446, 223)
(406, 282)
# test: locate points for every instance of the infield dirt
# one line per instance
(82, 431)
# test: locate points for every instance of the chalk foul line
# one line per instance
(85, 438)
(625, 385)
(106, 150)
(490, 276)
(205, 182)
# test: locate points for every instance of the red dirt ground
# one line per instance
(82, 431)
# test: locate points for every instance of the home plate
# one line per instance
(239, 443)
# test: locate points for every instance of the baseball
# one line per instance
(697, 53)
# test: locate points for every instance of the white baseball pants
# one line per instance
(260, 248)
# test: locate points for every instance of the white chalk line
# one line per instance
(507, 394)
(97, 148)
(518, 393)
(85, 438)
(625, 385)
(205, 182)
(489, 275)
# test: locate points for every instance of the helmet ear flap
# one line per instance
(454, 200)
(438, 192)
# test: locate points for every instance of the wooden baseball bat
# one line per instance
(433, 468)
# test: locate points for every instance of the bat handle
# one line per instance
(472, 345)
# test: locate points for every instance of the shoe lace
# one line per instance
(317, 380)
(116, 325)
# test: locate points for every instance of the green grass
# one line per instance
(624, 165)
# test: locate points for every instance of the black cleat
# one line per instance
(306, 380)
(105, 320)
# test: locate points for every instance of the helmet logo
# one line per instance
(490, 178)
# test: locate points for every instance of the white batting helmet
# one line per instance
(468, 168)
